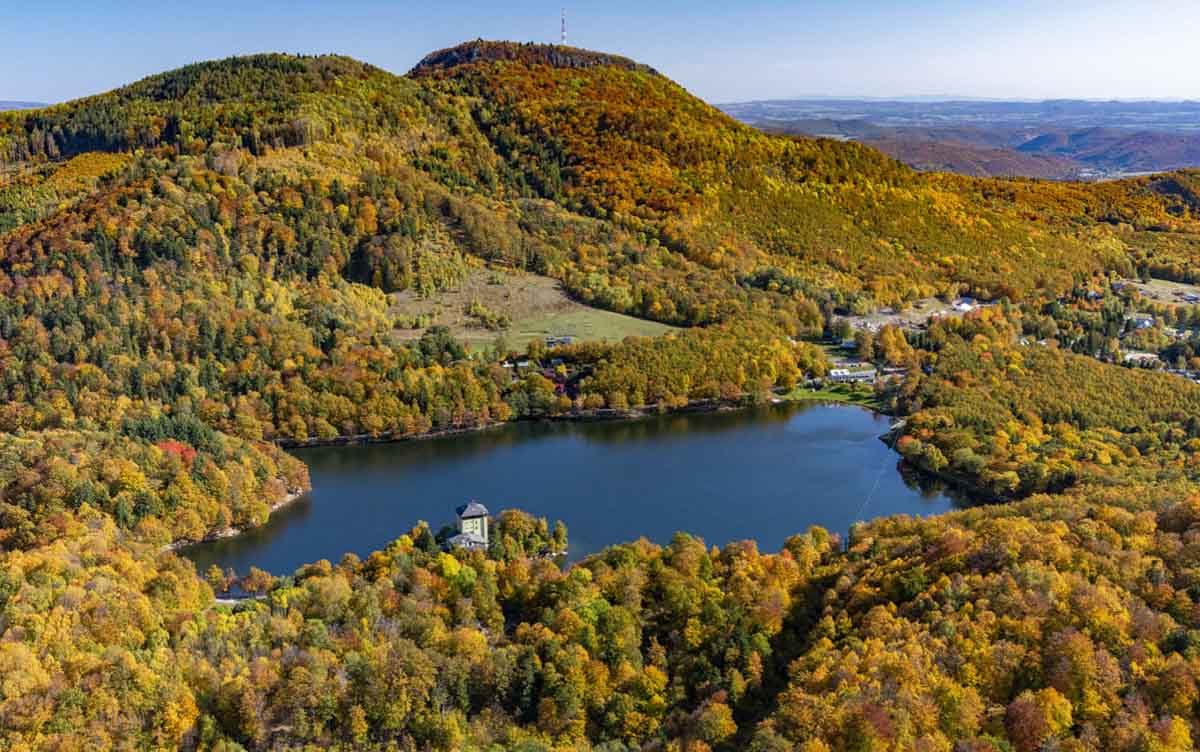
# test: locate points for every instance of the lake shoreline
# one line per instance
(591, 475)
(578, 416)
(586, 416)
(975, 494)
(233, 531)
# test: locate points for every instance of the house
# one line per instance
(1141, 358)
(1142, 320)
(849, 344)
(472, 527)
(557, 340)
(964, 305)
(846, 376)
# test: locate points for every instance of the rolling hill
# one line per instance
(933, 155)
(1059, 140)
(293, 195)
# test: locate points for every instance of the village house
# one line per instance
(1141, 320)
(1141, 358)
(846, 376)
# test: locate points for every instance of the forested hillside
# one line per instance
(197, 267)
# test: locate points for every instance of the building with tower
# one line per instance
(472, 527)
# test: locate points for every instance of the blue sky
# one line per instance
(721, 51)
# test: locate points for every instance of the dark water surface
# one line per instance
(763, 474)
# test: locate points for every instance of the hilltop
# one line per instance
(638, 154)
(553, 55)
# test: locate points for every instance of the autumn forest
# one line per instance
(198, 272)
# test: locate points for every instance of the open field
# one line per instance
(1163, 291)
(852, 394)
(535, 307)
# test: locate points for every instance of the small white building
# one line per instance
(1141, 358)
(847, 376)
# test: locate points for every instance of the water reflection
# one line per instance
(764, 474)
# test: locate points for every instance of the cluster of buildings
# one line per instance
(849, 376)
(565, 377)
(914, 320)
(861, 373)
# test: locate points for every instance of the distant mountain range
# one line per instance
(8, 105)
(1057, 139)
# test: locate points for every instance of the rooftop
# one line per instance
(473, 509)
(466, 540)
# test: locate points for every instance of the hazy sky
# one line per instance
(720, 50)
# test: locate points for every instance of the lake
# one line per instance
(765, 473)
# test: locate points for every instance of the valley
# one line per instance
(1056, 140)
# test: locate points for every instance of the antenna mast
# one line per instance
(562, 37)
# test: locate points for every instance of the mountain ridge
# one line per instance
(1056, 139)
(638, 152)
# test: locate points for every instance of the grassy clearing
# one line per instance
(535, 306)
(588, 324)
(850, 394)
